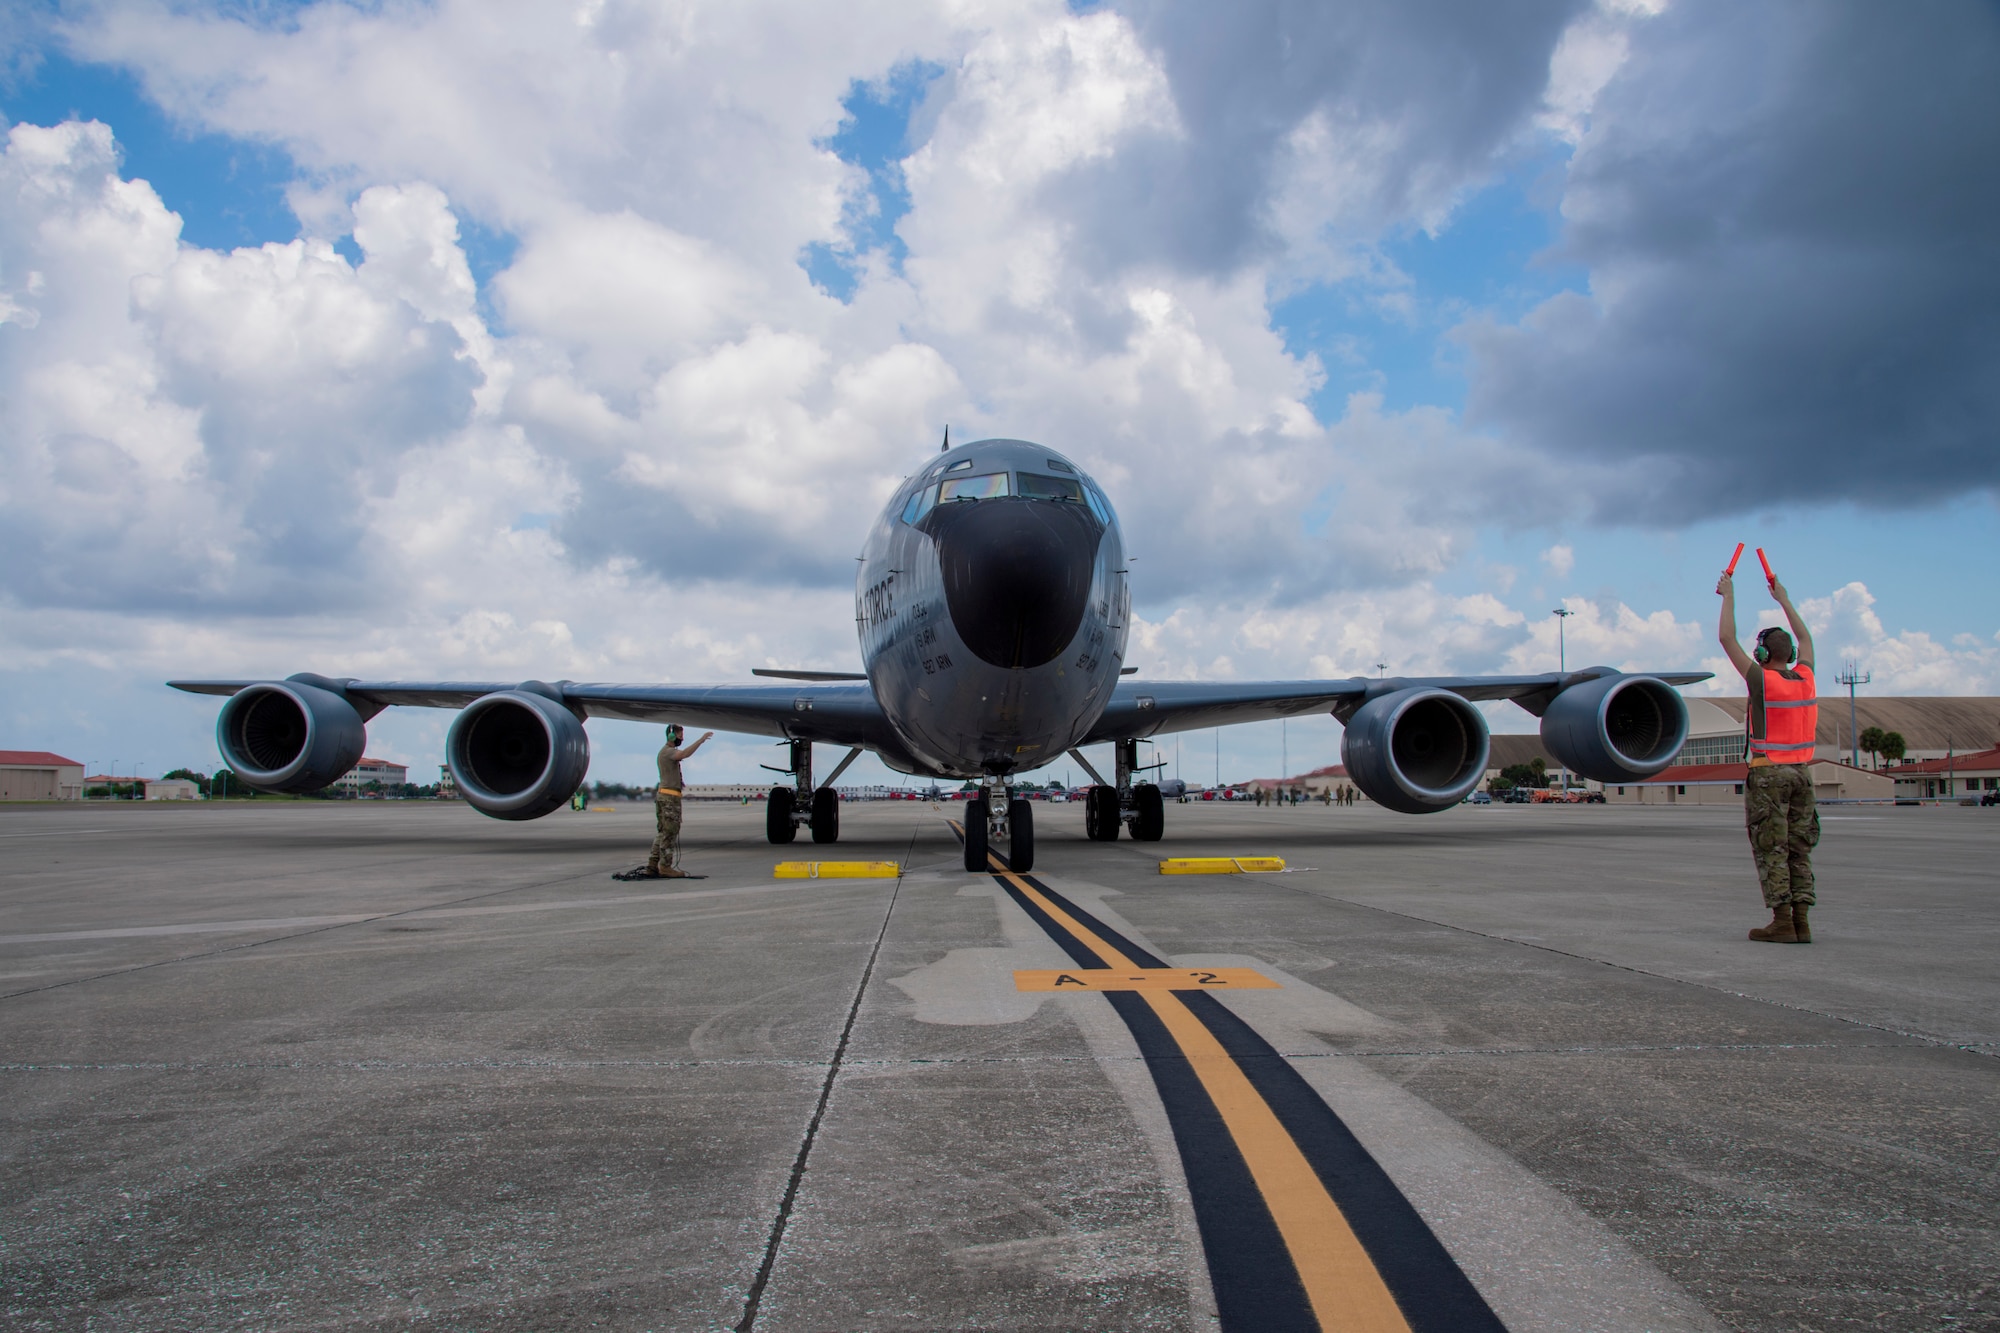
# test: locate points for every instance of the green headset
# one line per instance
(1763, 650)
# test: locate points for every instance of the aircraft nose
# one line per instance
(1017, 574)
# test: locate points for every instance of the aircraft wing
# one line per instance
(1152, 708)
(835, 713)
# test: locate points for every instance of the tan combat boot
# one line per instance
(1799, 926)
(1780, 930)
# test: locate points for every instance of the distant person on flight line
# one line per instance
(664, 863)
(1783, 720)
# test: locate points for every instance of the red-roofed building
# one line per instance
(1722, 784)
(1956, 776)
(390, 775)
(37, 775)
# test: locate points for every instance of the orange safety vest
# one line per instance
(1785, 721)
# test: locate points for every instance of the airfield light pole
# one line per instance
(1562, 615)
(1284, 753)
(1381, 668)
(1850, 676)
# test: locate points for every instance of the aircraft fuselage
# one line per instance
(992, 607)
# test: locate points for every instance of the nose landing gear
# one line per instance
(994, 815)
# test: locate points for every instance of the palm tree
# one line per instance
(1894, 747)
(1871, 741)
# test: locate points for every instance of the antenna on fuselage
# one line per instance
(945, 448)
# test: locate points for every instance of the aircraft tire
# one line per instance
(975, 835)
(1101, 814)
(826, 815)
(1021, 842)
(778, 826)
(1150, 825)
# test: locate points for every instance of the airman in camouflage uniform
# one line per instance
(665, 858)
(1778, 807)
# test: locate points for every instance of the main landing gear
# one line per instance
(996, 814)
(1138, 805)
(803, 804)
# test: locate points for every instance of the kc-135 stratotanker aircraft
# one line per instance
(992, 604)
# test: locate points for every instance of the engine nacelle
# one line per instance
(1616, 728)
(290, 735)
(1416, 750)
(517, 754)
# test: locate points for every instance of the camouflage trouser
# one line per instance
(1784, 828)
(667, 838)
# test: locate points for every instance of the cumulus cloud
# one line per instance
(713, 411)
(1794, 275)
(193, 428)
(1847, 629)
(1305, 128)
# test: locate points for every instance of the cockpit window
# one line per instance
(920, 504)
(1038, 487)
(1057, 465)
(961, 463)
(1098, 505)
(987, 486)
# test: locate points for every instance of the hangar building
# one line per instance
(37, 775)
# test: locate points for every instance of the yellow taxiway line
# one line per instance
(1341, 1282)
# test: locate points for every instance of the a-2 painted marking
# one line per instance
(1145, 978)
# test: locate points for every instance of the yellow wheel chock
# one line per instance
(837, 870)
(1222, 865)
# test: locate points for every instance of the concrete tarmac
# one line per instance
(359, 1065)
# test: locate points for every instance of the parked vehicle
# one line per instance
(1479, 798)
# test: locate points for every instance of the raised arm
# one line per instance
(1800, 634)
(1725, 631)
(699, 742)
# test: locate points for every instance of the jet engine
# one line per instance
(1616, 728)
(517, 754)
(1416, 750)
(294, 735)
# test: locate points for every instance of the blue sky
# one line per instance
(228, 191)
(1492, 239)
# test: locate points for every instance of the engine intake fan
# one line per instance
(1416, 750)
(517, 754)
(294, 735)
(1616, 728)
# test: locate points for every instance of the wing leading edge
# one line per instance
(1152, 708)
(836, 713)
